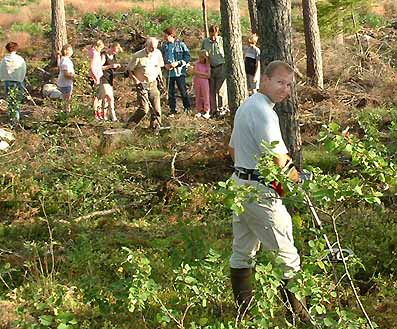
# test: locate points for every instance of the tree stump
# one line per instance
(113, 139)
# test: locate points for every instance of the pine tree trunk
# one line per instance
(314, 61)
(253, 15)
(205, 18)
(58, 29)
(235, 71)
(275, 36)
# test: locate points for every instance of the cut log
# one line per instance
(113, 139)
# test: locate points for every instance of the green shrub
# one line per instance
(34, 29)
(372, 20)
(100, 22)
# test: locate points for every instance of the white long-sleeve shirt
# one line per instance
(12, 68)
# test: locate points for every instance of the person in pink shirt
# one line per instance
(96, 73)
(201, 75)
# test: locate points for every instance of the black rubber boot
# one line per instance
(299, 307)
(242, 288)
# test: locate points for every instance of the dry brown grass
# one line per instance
(23, 39)
(41, 10)
(111, 6)
(34, 13)
(390, 7)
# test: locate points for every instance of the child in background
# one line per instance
(12, 72)
(201, 75)
(252, 64)
(66, 75)
(96, 73)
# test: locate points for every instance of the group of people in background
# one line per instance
(145, 69)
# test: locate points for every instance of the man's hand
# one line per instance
(171, 66)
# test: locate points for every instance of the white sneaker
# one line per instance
(206, 115)
(198, 115)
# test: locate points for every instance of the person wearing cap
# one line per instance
(143, 69)
(176, 58)
(13, 72)
(218, 92)
(106, 88)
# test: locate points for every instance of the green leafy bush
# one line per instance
(34, 29)
(98, 21)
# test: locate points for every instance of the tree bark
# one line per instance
(205, 18)
(275, 36)
(314, 61)
(58, 29)
(253, 15)
(234, 61)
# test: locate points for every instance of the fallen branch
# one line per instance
(9, 153)
(173, 165)
(97, 214)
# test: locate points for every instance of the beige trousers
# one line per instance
(267, 222)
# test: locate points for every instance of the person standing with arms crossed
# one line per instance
(218, 92)
(264, 221)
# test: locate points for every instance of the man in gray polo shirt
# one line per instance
(265, 221)
(218, 89)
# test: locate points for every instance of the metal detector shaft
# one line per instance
(337, 254)
(318, 221)
(29, 96)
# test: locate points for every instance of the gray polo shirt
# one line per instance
(254, 122)
(215, 50)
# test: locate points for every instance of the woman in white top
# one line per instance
(12, 72)
(66, 75)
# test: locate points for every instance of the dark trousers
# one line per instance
(181, 83)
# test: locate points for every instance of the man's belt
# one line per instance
(248, 175)
(253, 175)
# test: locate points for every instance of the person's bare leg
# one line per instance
(67, 99)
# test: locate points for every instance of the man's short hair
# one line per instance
(273, 66)
(213, 29)
(170, 31)
(11, 46)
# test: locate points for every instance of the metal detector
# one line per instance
(28, 95)
(337, 255)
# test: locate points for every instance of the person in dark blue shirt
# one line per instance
(176, 57)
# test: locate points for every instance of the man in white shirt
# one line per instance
(265, 221)
(12, 72)
(144, 68)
